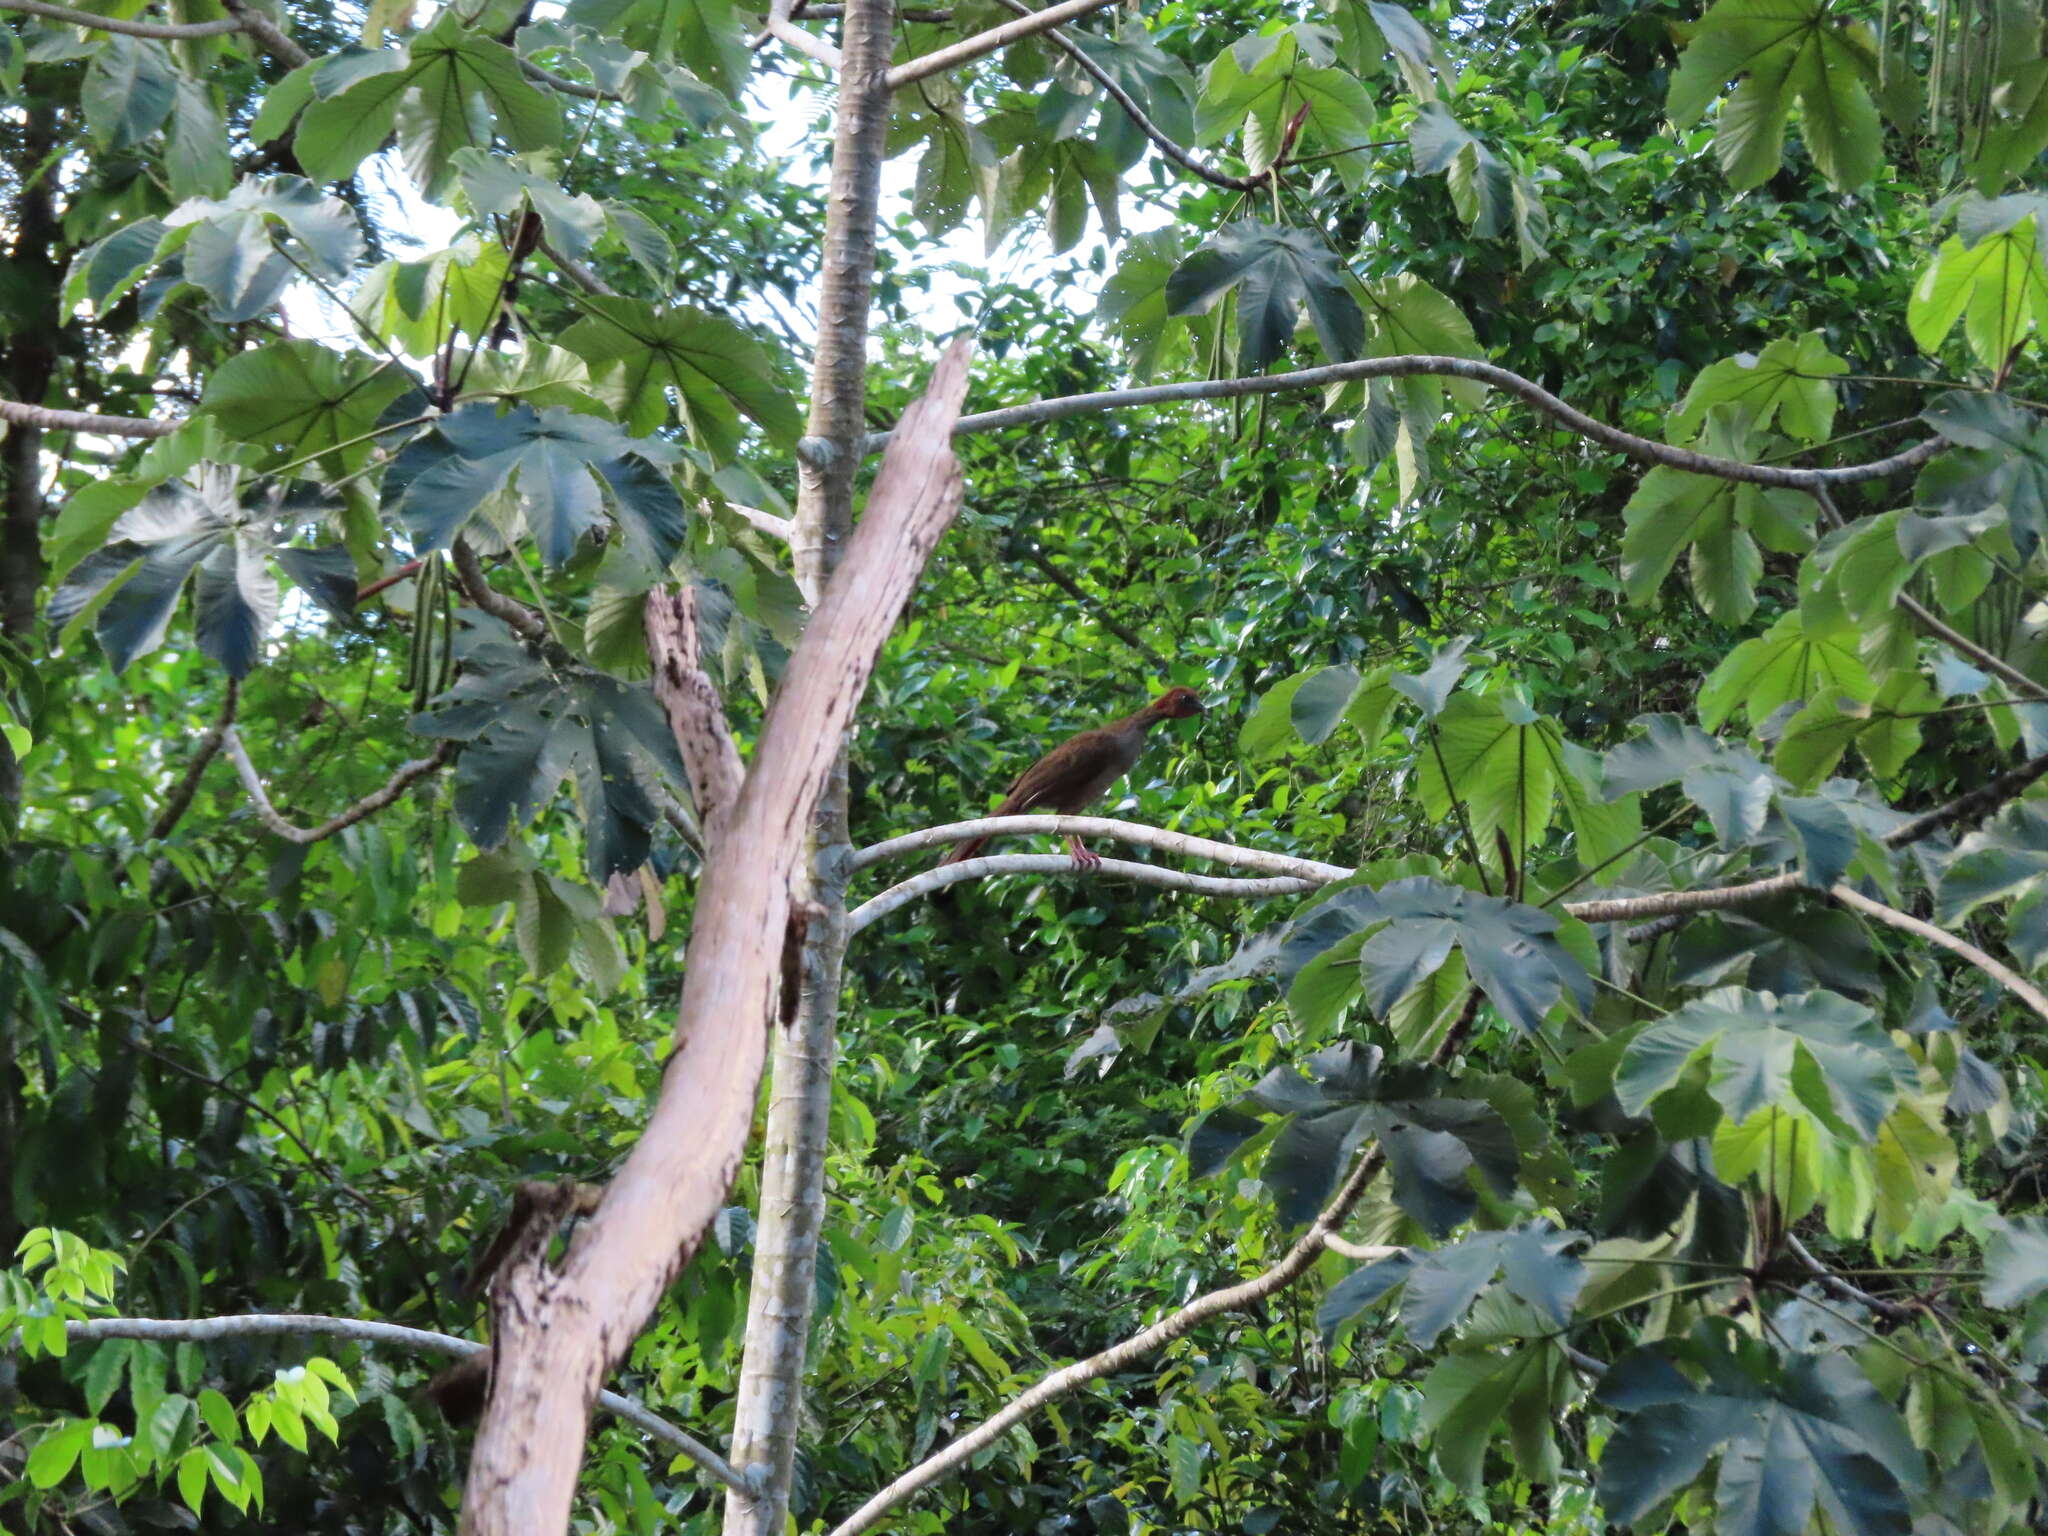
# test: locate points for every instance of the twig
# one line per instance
(1091, 605)
(163, 31)
(371, 589)
(1893, 1311)
(775, 527)
(566, 86)
(1981, 801)
(180, 798)
(1642, 449)
(968, 49)
(47, 419)
(1364, 1253)
(576, 272)
(1997, 970)
(201, 1330)
(1167, 146)
(267, 813)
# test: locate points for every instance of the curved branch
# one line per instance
(968, 49)
(1997, 970)
(879, 907)
(515, 615)
(790, 35)
(1167, 146)
(1102, 826)
(1643, 450)
(48, 419)
(267, 32)
(369, 805)
(1175, 1325)
(564, 84)
(418, 1340)
(163, 31)
(180, 799)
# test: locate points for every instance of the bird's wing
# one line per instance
(1074, 771)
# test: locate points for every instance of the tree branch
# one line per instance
(793, 36)
(1181, 157)
(1643, 450)
(1997, 970)
(180, 799)
(879, 907)
(1972, 804)
(968, 49)
(163, 31)
(267, 813)
(267, 32)
(201, 1330)
(45, 418)
(515, 615)
(1188, 846)
(1175, 1325)
(558, 1332)
(696, 715)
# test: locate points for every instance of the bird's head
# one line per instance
(1177, 704)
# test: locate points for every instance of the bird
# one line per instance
(1074, 774)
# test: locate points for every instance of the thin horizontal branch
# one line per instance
(1905, 922)
(1643, 450)
(562, 83)
(879, 907)
(1175, 1325)
(1167, 146)
(968, 49)
(1634, 909)
(793, 36)
(273, 822)
(1970, 805)
(775, 527)
(1137, 832)
(418, 1340)
(163, 31)
(46, 419)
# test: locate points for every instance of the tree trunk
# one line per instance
(768, 1411)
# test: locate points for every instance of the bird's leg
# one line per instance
(1082, 857)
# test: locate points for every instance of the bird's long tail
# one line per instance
(966, 850)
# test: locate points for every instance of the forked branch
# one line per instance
(274, 822)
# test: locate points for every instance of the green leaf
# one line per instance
(1481, 186)
(1319, 704)
(1431, 688)
(2016, 1261)
(1997, 286)
(645, 241)
(1276, 272)
(130, 87)
(1269, 728)
(556, 460)
(2004, 859)
(1787, 663)
(1727, 782)
(53, 1456)
(192, 1474)
(300, 400)
(229, 243)
(444, 92)
(505, 185)
(1816, 1051)
(110, 267)
(197, 160)
(706, 35)
(2000, 464)
(1787, 382)
(717, 370)
(1788, 51)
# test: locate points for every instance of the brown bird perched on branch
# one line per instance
(1074, 774)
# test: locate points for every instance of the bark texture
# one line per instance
(556, 1333)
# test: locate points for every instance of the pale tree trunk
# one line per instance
(767, 1413)
(557, 1331)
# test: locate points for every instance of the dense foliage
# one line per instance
(1708, 1213)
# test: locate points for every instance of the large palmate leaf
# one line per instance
(554, 919)
(718, 371)
(1158, 82)
(1993, 276)
(1511, 951)
(1817, 1051)
(1529, 1386)
(528, 727)
(2006, 858)
(446, 90)
(419, 304)
(1536, 1263)
(1785, 51)
(1486, 192)
(705, 35)
(1434, 1144)
(1276, 272)
(1310, 705)
(1271, 83)
(1787, 383)
(2000, 463)
(1791, 662)
(1507, 766)
(1728, 782)
(506, 185)
(1791, 1431)
(300, 400)
(556, 460)
(130, 87)
(199, 533)
(228, 245)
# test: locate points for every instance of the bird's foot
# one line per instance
(1084, 858)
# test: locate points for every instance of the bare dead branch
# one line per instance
(696, 714)
(407, 775)
(48, 419)
(202, 1330)
(558, 1332)
(968, 49)
(1643, 450)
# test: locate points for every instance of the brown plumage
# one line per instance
(1074, 774)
